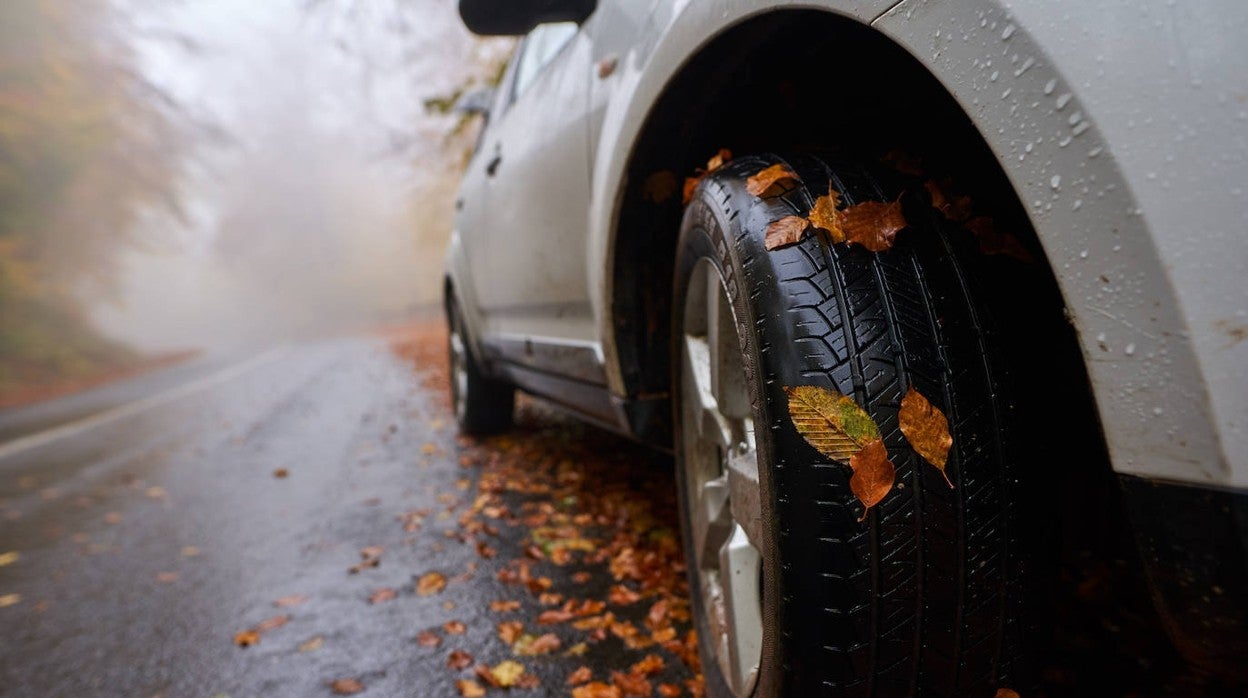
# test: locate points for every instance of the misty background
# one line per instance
(210, 173)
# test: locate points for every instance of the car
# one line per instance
(1046, 246)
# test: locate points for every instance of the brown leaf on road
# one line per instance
(786, 231)
(555, 615)
(506, 673)
(657, 617)
(9, 558)
(281, 473)
(597, 689)
(346, 687)
(620, 595)
(428, 638)
(382, 595)
(167, 577)
(580, 676)
(649, 665)
(247, 638)
(504, 606)
(312, 644)
(272, 623)
(669, 690)
(469, 688)
(927, 430)
(873, 475)
(431, 584)
(292, 600)
(767, 180)
(510, 631)
(830, 422)
(872, 224)
(485, 551)
(454, 627)
(632, 684)
(529, 646)
(459, 660)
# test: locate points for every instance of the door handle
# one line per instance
(492, 166)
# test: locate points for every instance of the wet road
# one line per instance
(139, 536)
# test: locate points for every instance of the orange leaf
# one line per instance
(382, 595)
(691, 185)
(503, 606)
(453, 627)
(247, 638)
(621, 595)
(529, 646)
(1006, 693)
(272, 623)
(824, 216)
(292, 600)
(597, 689)
(459, 660)
(717, 160)
(632, 684)
(580, 676)
(873, 475)
(649, 664)
(469, 688)
(428, 638)
(510, 631)
(785, 231)
(872, 224)
(347, 687)
(668, 690)
(927, 430)
(767, 180)
(431, 583)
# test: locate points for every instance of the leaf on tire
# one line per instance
(785, 231)
(873, 475)
(830, 422)
(927, 430)
(872, 224)
(766, 181)
(824, 216)
(717, 161)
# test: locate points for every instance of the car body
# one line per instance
(1121, 128)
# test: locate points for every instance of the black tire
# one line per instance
(482, 405)
(924, 596)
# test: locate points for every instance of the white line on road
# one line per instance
(25, 443)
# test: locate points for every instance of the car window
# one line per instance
(540, 47)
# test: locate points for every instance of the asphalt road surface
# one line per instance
(272, 523)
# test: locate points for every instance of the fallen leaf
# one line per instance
(659, 186)
(582, 577)
(992, 242)
(469, 688)
(459, 660)
(281, 473)
(580, 676)
(649, 664)
(873, 475)
(926, 428)
(766, 181)
(717, 160)
(312, 644)
(668, 690)
(554, 615)
(872, 224)
(190, 551)
(507, 672)
(346, 687)
(830, 422)
(428, 638)
(431, 583)
(167, 577)
(454, 627)
(510, 631)
(1006, 693)
(504, 606)
(246, 638)
(631, 684)
(292, 600)
(954, 208)
(156, 492)
(577, 650)
(382, 595)
(691, 183)
(529, 646)
(786, 231)
(597, 689)
(9, 558)
(112, 517)
(272, 623)
(825, 216)
(7, 600)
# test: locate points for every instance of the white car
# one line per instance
(1067, 288)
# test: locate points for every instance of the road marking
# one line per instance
(78, 426)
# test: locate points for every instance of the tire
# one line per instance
(483, 405)
(924, 595)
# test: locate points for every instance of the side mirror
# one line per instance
(476, 101)
(517, 17)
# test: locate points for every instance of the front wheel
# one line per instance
(483, 405)
(796, 592)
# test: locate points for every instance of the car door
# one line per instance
(535, 159)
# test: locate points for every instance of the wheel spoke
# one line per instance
(739, 565)
(712, 521)
(743, 488)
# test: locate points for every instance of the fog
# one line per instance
(326, 205)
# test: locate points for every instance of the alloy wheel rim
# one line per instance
(459, 371)
(721, 479)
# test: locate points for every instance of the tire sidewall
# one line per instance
(708, 232)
